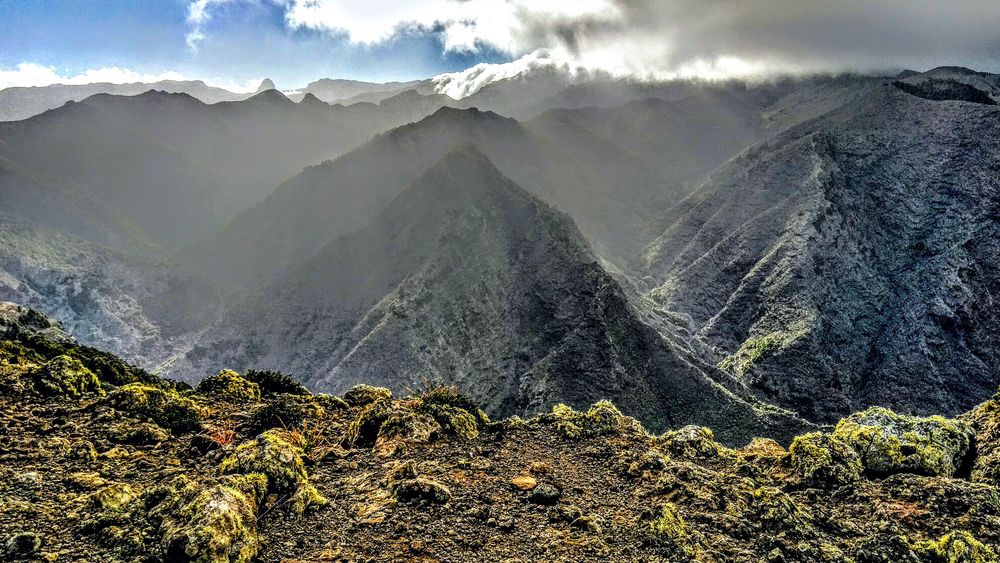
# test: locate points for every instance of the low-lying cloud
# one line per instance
(671, 38)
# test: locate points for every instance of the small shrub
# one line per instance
(362, 395)
(601, 419)
(284, 411)
(275, 382)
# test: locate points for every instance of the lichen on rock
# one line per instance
(956, 547)
(601, 419)
(893, 443)
(824, 460)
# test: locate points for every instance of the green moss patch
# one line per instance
(824, 460)
(65, 376)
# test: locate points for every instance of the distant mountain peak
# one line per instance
(310, 100)
(269, 96)
(265, 85)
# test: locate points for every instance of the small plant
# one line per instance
(224, 433)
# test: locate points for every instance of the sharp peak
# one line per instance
(462, 154)
(271, 95)
(310, 98)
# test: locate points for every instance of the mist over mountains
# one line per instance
(758, 257)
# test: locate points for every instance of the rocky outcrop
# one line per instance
(429, 476)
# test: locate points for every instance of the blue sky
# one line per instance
(243, 41)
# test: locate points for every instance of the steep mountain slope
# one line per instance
(609, 201)
(467, 279)
(143, 310)
(60, 204)
(850, 261)
(21, 103)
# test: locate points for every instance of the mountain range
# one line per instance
(758, 257)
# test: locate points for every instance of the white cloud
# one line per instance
(664, 38)
(197, 16)
(31, 74)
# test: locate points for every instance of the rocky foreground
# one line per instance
(101, 462)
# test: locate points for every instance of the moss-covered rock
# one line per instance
(305, 498)
(690, 442)
(218, 525)
(22, 544)
(824, 460)
(893, 443)
(82, 450)
(284, 411)
(985, 422)
(275, 382)
(601, 419)
(361, 395)
(138, 433)
(166, 408)
(670, 535)
(403, 428)
(956, 547)
(66, 376)
(420, 490)
(113, 497)
(230, 386)
(652, 462)
(775, 510)
(277, 454)
(363, 430)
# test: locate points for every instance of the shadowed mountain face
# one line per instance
(611, 187)
(851, 261)
(174, 167)
(467, 279)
